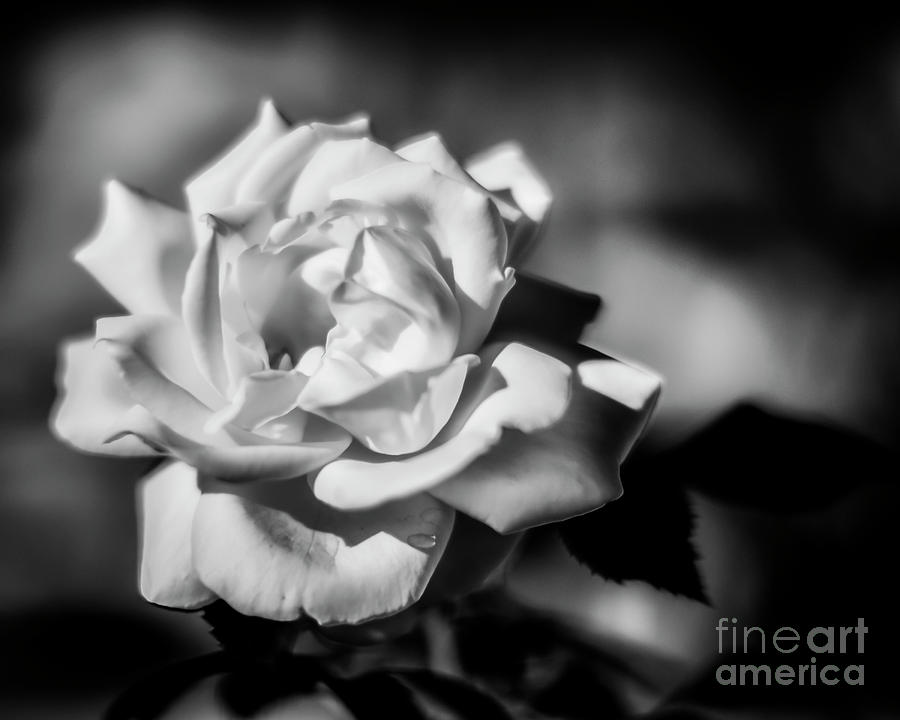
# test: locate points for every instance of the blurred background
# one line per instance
(730, 186)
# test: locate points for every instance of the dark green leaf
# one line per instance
(650, 529)
(250, 637)
(754, 458)
(544, 309)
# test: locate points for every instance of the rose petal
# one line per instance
(251, 221)
(243, 347)
(288, 428)
(310, 361)
(92, 402)
(164, 343)
(506, 169)
(260, 397)
(276, 286)
(202, 311)
(335, 162)
(394, 264)
(333, 566)
(539, 445)
(141, 345)
(464, 223)
(335, 377)
(568, 469)
(515, 386)
(272, 172)
(287, 230)
(167, 499)
(397, 303)
(397, 415)
(141, 251)
(324, 271)
(322, 443)
(259, 277)
(359, 480)
(430, 150)
(234, 229)
(375, 333)
(342, 220)
(216, 186)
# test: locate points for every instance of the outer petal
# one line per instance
(216, 186)
(163, 341)
(558, 456)
(273, 171)
(336, 567)
(262, 460)
(167, 499)
(464, 223)
(142, 346)
(430, 149)
(505, 169)
(92, 402)
(141, 251)
(570, 468)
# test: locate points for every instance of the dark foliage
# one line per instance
(747, 458)
(650, 527)
(551, 311)
(250, 637)
(754, 458)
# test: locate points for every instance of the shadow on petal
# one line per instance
(306, 558)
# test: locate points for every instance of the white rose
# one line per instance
(318, 318)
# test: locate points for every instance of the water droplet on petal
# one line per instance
(421, 541)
